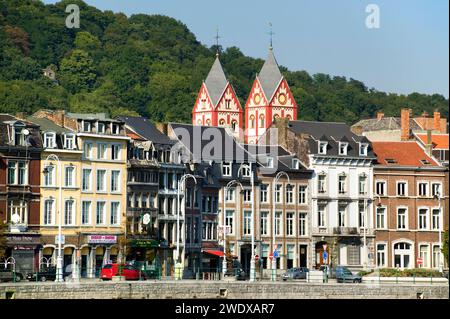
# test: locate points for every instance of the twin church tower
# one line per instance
(269, 98)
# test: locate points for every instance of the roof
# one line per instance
(146, 129)
(439, 141)
(386, 123)
(34, 139)
(405, 153)
(270, 75)
(333, 133)
(207, 143)
(47, 125)
(91, 116)
(216, 81)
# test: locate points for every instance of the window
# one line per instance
(263, 191)
(50, 140)
(226, 169)
(435, 219)
(49, 212)
(229, 221)
(362, 184)
(115, 181)
(342, 216)
(289, 224)
(269, 162)
(302, 194)
(100, 216)
(101, 151)
(278, 225)
(17, 173)
(295, 163)
(229, 196)
(245, 170)
(342, 184)
(85, 212)
(86, 179)
(86, 126)
(278, 193)
(115, 152)
(321, 216)
(115, 213)
(69, 176)
(436, 189)
(100, 128)
(402, 222)
(49, 175)
(247, 222)
(222, 122)
(361, 215)
(380, 188)
(261, 121)
(423, 253)
(363, 149)
(289, 194)
(234, 125)
(247, 195)
(68, 212)
(381, 218)
(381, 255)
(436, 256)
(343, 148)
(115, 129)
(401, 189)
(12, 172)
(87, 149)
(321, 187)
(423, 189)
(264, 219)
(423, 217)
(19, 137)
(252, 121)
(101, 180)
(69, 141)
(20, 208)
(302, 224)
(323, 148)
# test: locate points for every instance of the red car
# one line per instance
(128, 271)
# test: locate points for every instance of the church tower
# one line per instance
(217, 103)
(269, 98)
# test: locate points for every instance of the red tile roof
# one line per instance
(134, 136)
(440, 141)
(408, 153)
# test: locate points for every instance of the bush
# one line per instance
(363, 273)
(418, 272)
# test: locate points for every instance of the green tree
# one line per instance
(77, 72)
(445, 246)
(3, 240)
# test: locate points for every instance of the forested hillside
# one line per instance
(151, 65)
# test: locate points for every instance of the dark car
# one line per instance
(295, 273)
(10, 275)
(343, 274)
(48, 273)
(236, 271)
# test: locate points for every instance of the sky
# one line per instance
(409, 52)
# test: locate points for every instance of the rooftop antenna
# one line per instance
(271, 33)
(217, 37)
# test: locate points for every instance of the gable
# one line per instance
(283, 96)
(256, 98)
(229, 94)
(203, 102)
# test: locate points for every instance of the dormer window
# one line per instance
(295, 163)
(270, 162)
(100, 128)
(19, 137)
(86, 126)
(69, 141)
(343, 146)
(115, 129)
(226, 169)
(245, 170)
(50, 140)
(323, 147)
(363, 147)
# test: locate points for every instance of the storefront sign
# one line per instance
(102, 239)
(23, 240)
(144, 243)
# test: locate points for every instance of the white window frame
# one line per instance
(343, 148)
(295, 163)
(292, 221)
(303, 220)
(406, 188)
(53, 176)
(103, 223)
(344, 183)
(17, 172)
(264, 193)
(278, 193)
(113, 129)
(247, 223)
(118, 181)
(264, 223)
(74, 213)
(320, 149)
(230, 195)
(362, 180)
(270, 162)
(69, 137)
(290, 194)
(53, 212)
(100, 147)
(89, 215)
(246, 170)
(88, 150)
(427, 188)
(384, 217)
(426, 263)
(406, 218)
(427, 218)
(98, 126)
(50, 140)
(72, 184)
(226, 167)
(363, 149)
(433, 183)
(117, 223)
(303, 194)
(116, 150)
(385, 253)
(342, 215)
(278, 223)
(103, 188)
(247, 195)
(83, 127)
(321, 215)
(89, 189)
(432, 219)
(381, 181)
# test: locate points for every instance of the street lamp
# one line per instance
(59, 260)
(275, 181)
(252, 260)
(438, 197)
(227, 188)
(181, 183)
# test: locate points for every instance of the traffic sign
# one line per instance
(324, 256)
(324, 246)
(419, 261)
(256, 257)
(270, 256)
(275, 254)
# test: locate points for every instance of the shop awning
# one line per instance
(214, 252)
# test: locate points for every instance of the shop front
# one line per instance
(24, 250)
(99, 250)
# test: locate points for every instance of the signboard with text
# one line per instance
(102, 239)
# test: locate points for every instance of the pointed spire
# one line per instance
(271, 36)
(270, 75)
(217, 37)
(216, 81)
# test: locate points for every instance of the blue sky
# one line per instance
(408, 53)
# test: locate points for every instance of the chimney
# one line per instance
(60, 117)
(380, 115)
(404, 120)
(437, 121)
(21, 115)
(429, 144)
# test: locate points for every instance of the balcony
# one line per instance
(345, 231)
(18, 228)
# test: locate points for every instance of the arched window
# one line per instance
(261, 120)
(199, 122)
(288, 117)
(234, 125)
(403, 255)
(222, 122)
(208, 122)
(275, 117)
(252, 121)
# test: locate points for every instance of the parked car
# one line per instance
(48, 273)
(237, 271)
(128, 271)
(295, 273)
(343, 274)
(10, 275)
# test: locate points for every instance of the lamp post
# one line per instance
(275, 181)
(224, 224)
(181, 183)
(59, 260)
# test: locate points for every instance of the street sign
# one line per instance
(275, 254)
(146, 219)
(63, 240)
(270, 256)
(324, 246)
(256, 257)
(324, 256)
(419, 261)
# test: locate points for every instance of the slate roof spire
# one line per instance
(216, 81)
(270, 75)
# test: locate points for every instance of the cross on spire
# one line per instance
(217, 37)
(271, 33)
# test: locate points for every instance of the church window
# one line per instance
(222, 122)
(261, 121)
(208, 122)
(234, 125)
(227, 103)
(252, 121)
